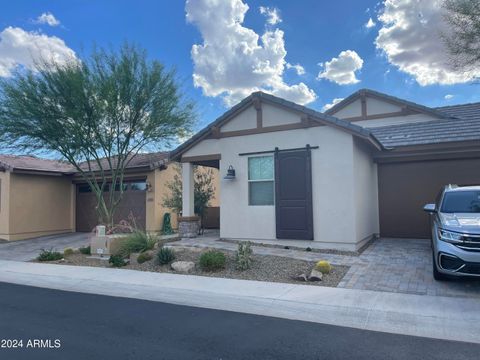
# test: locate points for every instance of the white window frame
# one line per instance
(261, 180)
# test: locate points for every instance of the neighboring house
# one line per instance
(366, 167)
(44, 197)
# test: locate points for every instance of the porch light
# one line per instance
(230, 173)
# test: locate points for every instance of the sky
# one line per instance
(313, 52)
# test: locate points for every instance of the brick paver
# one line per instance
(393, 265)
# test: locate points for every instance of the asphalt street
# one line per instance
(67, 325)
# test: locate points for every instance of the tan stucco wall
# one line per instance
(4, 204)
(159, 180)
(39, 205)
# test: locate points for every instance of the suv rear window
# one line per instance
(461, 202)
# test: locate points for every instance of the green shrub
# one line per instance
(138, 241)
(68, 252)
(143, 257)
(212, 260)
(243, 256)
(85, 250)
(165, 256)
(49, 255)
(323, 266)
(117, 261)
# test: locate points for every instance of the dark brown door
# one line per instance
(132, 207)
(293, 194)
(404, 188)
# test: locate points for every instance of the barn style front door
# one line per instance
(293, 194)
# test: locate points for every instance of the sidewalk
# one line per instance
(428, 316)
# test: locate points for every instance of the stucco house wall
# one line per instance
(4, 204)
(39, 205)
(333, 181)
(366, 193)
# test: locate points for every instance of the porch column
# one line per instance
(187, 188)
(188, 223)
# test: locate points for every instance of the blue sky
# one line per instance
(383, 57)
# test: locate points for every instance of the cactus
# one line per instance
(323, 266)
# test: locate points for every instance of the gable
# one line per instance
(352, 110)
(246, 119)
(369, 108)
(260, 116)
(262, 113)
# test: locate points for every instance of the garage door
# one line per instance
(404, 188)
(133, 203)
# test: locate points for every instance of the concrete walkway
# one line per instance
(26, 250)
(437, 317)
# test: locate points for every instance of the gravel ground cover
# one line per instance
(264, 267)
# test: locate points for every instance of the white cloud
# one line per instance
(272, 14)
(341, 69)
(21, 48)
(333, 103)
(299, 69)
(370, 23)
(47, 18)
(449, 97)
(410, 38)
(233, 60)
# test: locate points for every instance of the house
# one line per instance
(364, 168)
(44, 197)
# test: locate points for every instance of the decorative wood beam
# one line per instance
(257, 104)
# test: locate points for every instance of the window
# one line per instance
(138, 186)
(461, 202)
(260, 180)
(84, 189)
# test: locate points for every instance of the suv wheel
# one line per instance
(436, 274)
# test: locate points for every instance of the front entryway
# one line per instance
(133, 204)
(293, 194)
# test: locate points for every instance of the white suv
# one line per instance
(455, 222)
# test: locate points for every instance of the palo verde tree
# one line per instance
(96, 113)
(203, 190)
(463, 40)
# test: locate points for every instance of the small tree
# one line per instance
(463, 44)
(204, 191)
(95, 113)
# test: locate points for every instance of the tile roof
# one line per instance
(33, 163)
(431, 132)
(140, 160)
(462, 123)
(463, 111)
(27, 162)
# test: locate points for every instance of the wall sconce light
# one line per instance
(230, 173)
(148, 186)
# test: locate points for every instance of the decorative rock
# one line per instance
(301, 277)
(315, 275)
(183, 266)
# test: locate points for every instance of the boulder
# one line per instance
(183, 266)
(315, 275)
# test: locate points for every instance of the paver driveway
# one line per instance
(394, 265)
(403, 265)
(25, 250)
